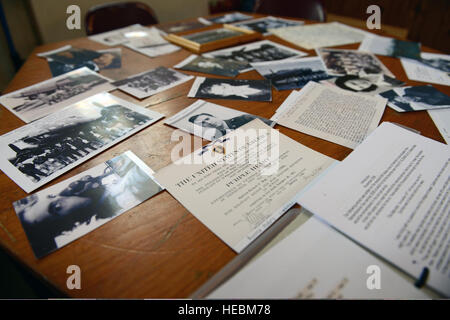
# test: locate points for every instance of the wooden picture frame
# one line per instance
(187, 40)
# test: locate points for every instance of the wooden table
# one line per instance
(158, 249)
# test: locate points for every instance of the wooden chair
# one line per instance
(304, 9)
(112, 16)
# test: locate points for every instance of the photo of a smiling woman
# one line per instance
(56, 216)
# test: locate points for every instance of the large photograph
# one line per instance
(370, 85)
(40, 151)
(150, 82)
(416, 98)
(259, 51)
(339, 62)
(216, 66)
(263, 25)
(211, 121)
(292, 74)
(62, 213)
(46, 97)
(213, 88)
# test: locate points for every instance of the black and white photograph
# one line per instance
(48, 96)
(62, 213)
(226, 18)
(150, 82)
(65, 59)
(340, 62)
(211, 121)
(37, 153)
(212, 35)
(263, 25)
(213, 88)
(370, 85)
(149, 42)
(182, 26)
(391, 47)
(117, 36)
(216, 66)
(292, 74)
(416, 98)
(259, 51)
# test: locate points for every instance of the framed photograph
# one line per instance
(216, 66)
(259, 51)
(211, 121)
(292, 74)
(416, 98)
(225, 18)
(370, 85)
(340, 62)
(38, 152)
(213, 88)
(214, 39)
(263, 25)
(62, 213)
(48, 96)
(150, 82)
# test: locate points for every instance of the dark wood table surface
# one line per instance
(158, 249)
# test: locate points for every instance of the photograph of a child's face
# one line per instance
(64, 212)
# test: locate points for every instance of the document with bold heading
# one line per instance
(332, 114)
(312, 262)
(243, 182)
(392, 195)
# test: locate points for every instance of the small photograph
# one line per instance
(67, 59)
(263, 25)
(370, 85)
(212, 88)
(416, 98)
(149, 42)
(150, 82)
(391, 47)
(211, 121)
(292, 74)
(212, 35)
(226, 18)
(216, 66)
(439, 62)
(37, 153)
(182, 26)
(46, 97)
(118, 36)
(259, 51)
(62, 213)
(340, 62)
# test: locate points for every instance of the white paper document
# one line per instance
(392, 195)
(428, 71)
(320, 35)
(312, 262)
(441, 118)
(239, 186)
(332, 114)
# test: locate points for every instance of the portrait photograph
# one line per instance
(48, 96)
(370, 85)
(339, 62)
(391, 47)
(259, 51)
(213, 88)
(62, 213)
(216, 66)
(292, 74)
(263, 25)
(37, 153)
(211, 121)
(150, 82)
(226, 18)
(416, 98)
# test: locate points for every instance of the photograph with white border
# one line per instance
(262, 25)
